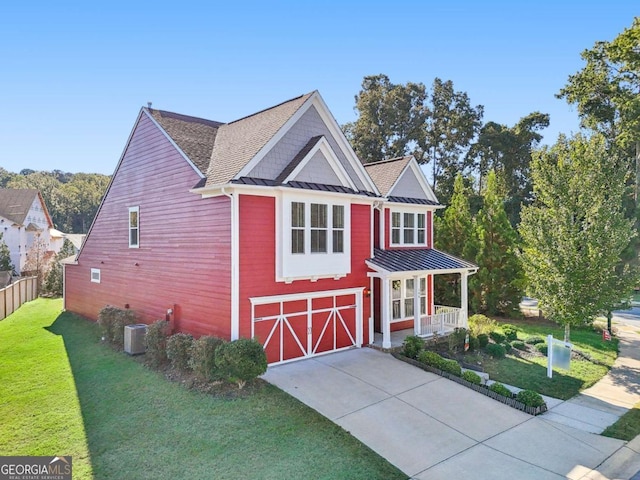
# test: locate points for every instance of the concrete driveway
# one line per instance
(431, 427)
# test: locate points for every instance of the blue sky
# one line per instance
(74, 75)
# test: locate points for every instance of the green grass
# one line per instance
(63, 393)
(531, 373)
(627, 427)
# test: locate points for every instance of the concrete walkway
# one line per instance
(430, 427)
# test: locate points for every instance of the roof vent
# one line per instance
(149, 105)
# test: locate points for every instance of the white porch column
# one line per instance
(416, 305)
(385, 307)
(464, 299)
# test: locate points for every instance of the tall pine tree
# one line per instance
(5, 257)
(456, 235)
(497, 287)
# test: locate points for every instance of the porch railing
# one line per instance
(444, 320)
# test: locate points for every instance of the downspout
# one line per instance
(235, 274)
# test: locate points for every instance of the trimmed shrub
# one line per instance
(413, 345)
(471, 377)
(179, 350)
(497, 336)
(500, 389)
(542, 348)
(534, 339)
(518, 344)
(431, 358)
(495, 350)
(507, 346)
(481, 324)
(451, 366)
(203, 357)
(530, 398)
(112, 321)
(510, 332)
(483, 340)
(241, 360)
(156, 342)
(473, 343)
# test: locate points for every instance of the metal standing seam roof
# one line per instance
(413, 260)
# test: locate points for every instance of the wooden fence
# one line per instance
(19, 292)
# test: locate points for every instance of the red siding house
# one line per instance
(267, 227)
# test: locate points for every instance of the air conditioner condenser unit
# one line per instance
(134, 338)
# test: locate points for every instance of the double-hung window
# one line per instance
(408, 228)
(402, 297)
(134, 227)
(321, 223)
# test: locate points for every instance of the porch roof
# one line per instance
(419, 261)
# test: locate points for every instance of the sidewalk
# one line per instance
(604, 403)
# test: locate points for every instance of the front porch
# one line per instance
(444, 321)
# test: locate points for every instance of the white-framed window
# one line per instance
(134, 227)
(408, 228)
(323, 224)
(95, 275)
(402, 295)
(313, 238)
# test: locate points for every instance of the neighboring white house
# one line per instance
(24, 218)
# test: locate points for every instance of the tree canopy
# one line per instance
(575, 231)
(72, 199)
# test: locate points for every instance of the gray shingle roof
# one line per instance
(413, 260)
(386, 172)
(16, 202)
(239, 141)
(195, 136)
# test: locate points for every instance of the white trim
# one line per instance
(235, 263)
(380, 272)
(95, 271)
(323, 146)
(402, 227)
(291, 297)
(175, 145)
(275, 191)
(131, 210)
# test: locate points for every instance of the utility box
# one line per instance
(134, 338)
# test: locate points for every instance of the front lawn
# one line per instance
(63, 393)
(530, 372)
(627, 427)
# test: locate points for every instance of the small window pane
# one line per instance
(395, 219)
(408, 235)
(423, 286)
(421, 234)
(396, 313)
(408, 307)
(338, 216)
(133, 219)
(396, 292)
(408, 220)
(338, 241)
(297, 241)
(318, 215)
(409, 287)
(133, 237)
(423, 306)
(395, 236)
(318, 241)
(297, 214)
(421, 217)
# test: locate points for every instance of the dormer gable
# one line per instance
(316, 163)
(401, 179)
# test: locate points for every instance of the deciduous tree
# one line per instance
(575, 231)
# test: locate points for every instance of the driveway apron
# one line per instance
(431, 427)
